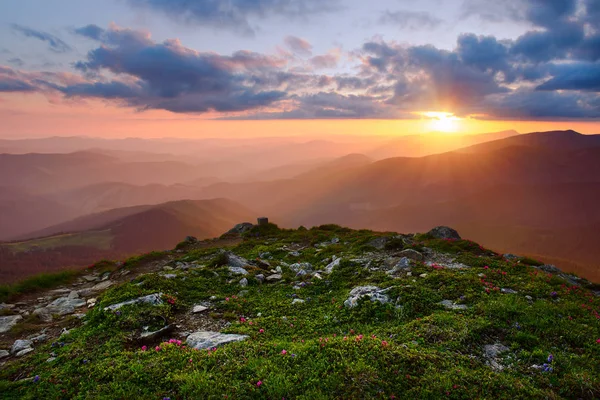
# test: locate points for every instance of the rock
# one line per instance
(7, 322)
(318, 276)
(294, 253)
(241, 228)
(491, 353)
(170, 276)
(190, 239)
(24, 351)
(449, 304)
(550, 268)
(334, 264)
(403, 263)
(40, 338)
(150, 336)
(90, 278)
(297, 267)
(444, 232)
(208, 340)
(379, 243)
(412, 254)
(199, 308)
(274, 277)
(91, 302)
(238, 271)
(297, 301)
(150, 299)
(260, 278)
(96, 288)
(66, 305)
(43, 314)
(243, 293)
(243, 282)
(50, 359)
(423, 276)
(508, 291)
(511, 257)
(19, 345)
(4, 354)
(374, 293)
(236, 261)
(529, 298)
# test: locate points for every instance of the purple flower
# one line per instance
(550, 358)
(554, 294)
(36, 378)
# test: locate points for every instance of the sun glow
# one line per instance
(441, 121)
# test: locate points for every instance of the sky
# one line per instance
(207, 68)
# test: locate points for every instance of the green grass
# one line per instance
(410, 348)
(36, 283)
(96, 239)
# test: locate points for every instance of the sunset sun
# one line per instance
(441, 121)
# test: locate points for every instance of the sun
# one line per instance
(441, 121)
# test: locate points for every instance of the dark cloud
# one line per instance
(298, 46)
(56, 44)
(412, 20)
(578, 76)
(13, 81)
(16, 61)
(91, 31)
(234, 14)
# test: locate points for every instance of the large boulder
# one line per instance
(374, 293)
(237, 264)
(241, 228)
(444, 232)
(153, 299)
(60, 306)
(208, 340)
(7, 322)
(20, 345)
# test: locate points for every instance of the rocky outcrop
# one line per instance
(374, 293)
(154, 299)
(208, 340)
(444, 232)
(7, 322)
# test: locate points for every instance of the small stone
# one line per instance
(423, 276)
(274, 277)
(23, 352)
(297, 301)
(167, 268)
(150, 299)
(374, 293)
(529, 298)
(297, 267)
(243, 282)
(7, 322)
(508, 291)
(260, 278)
(412, 254)
(170, 276)
(316, 275)
(91, 302)
(238, 271)
(39, 338)
(449, 304)
(199, 308)
(208, 340)
(19, 345)
(550, 268)
(409, 274)
(51, 359)
(90, 278)
(332, 265)
(4, 354)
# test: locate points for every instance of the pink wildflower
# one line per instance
(157, 348)
(258, 383)
(261, 331)
(284, 352)
(144, 348)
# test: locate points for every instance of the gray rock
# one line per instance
(332, 265)
(444, 232)
(50, 359)
(294, 254)
(423, 276)
(23, 352)
(511, 257)
(208, 340)
(96, 288)
(243, 282)
(40, 338)
(449, 304)
(243, 293)
(508, 291)
(297, 267)
(66, 305)
(150, 299)
(148, 336)
(4, 354)
(170, 276)
(550, 268)
(491, 352)
(412, 254)
(379, 243)
(199, 308)
(260, 278)
(241, 228)
(236, 262)
(238, 271)
(297, 301)
(90, 278)
(4, 306)
(374, 293)
(19, 345)
(274, 277)
(43, 314)
(7, 322)
(190, 239)
(91, 302)
(402, 264)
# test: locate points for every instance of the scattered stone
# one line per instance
(20, 345)
(7, 322)
(297, 267)
(444, 232)
(4, 354)
(91, 302)
(374, 293)
(24, 351)
(4, 306)
(90, 278)
(511, 257)
(238, 271)
(243, 293)
(412, 254)
(50, 359)
(168, 268)
(208, 340)
(297, 301)
(317, 275)
(149, 336)
(170, 276)
(236, 262)
(60, 306)
(403, 263)
(508, 291)
(40, 338)
(96, 288)
(294, 253)
(449, 304)
(260, 278)
(491, 354)
(243, 282)
(423, 276)
(190, 239)
(529, 298)
(150, 299)
(199, 308)
(334, 264)
(274, 277)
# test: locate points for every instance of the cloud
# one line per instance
(582, 76)
(329, 60)
(234, 14)
(298, 46)
(412, 20)
(56, 44)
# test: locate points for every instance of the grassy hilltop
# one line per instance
(439, 317)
